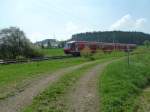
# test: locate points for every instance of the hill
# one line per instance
(112, 36)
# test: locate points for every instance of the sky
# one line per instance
(60, 19)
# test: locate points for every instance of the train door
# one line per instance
(77, 45)
(93, 47)
(72, 47)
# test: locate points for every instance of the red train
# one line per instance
(75, 47)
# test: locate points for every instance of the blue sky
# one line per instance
(41, 19)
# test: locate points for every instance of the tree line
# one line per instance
(113, 37)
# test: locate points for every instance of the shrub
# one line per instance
(86, 53)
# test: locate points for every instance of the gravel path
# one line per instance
(84, 95)
(24, 98)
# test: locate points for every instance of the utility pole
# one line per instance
(54, 36)
(128, 50)
(114, 41)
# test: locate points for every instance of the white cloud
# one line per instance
(140, 23)
(37, 36)
(127, 22)
(72, 28)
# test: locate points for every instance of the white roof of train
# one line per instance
(98, 42)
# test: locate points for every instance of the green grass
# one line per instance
(51, 100)
(121, 84)
(143, 102)
(15, 76)
(53, 52)
(100, 55)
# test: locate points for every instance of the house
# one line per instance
(48, 43)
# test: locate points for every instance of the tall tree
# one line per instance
(49, 44)
(14, 43)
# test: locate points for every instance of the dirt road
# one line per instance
(84, 95)
(24, 98)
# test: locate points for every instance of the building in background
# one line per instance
(48, 43)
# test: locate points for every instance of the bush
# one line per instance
(86, 53)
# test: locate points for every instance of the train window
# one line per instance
(72, 45)
(68, 46)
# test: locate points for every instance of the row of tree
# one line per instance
(113, 36)
(14, 44)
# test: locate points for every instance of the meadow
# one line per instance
(53, 52)
(121, 84)
(15, 77)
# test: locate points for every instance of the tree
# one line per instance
(49, 44)
(42, 45)
(13, 43)
(147, 43)
(61, 44)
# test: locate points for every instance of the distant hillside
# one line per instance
(113, 36)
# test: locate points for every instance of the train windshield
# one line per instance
(67, 46)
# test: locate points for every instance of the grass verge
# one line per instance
(121, 84)
(143, 102)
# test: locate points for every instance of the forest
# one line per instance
(113, 36)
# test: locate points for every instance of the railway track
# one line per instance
(13, 61)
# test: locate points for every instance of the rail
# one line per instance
(13, 61)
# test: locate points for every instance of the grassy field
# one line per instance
(53, 52)
(101, 55)
(15, 76)
(98, 55)
(120, 84)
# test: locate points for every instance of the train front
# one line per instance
(67, 48)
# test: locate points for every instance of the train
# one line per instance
(76, 47)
